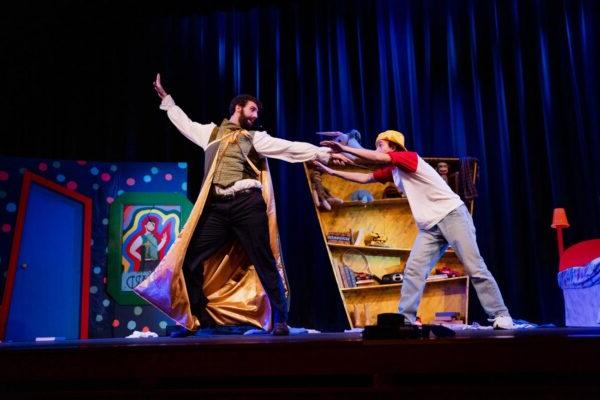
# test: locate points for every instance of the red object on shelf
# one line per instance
(445, 270)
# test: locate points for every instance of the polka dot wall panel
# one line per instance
(103, 182)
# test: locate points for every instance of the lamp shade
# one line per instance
(559, 219)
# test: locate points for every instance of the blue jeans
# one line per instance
(457, 230)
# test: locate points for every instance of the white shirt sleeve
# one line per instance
(197, 133)
(268, 146)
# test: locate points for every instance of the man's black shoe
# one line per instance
(280, 329)
(206, 320)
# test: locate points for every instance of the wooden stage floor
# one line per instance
(533, 363)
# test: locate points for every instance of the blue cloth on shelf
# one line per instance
(362, 195)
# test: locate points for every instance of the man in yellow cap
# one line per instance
(440, 215)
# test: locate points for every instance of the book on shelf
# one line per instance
(438, 318)
(338, 274)
(366, 282)
(342, 274)
(340, 237)
(452, 322)
(436, 277)
(347, 276)
(455, 314)
(350, 276)
(359, 237)
(447, 317)
(366, 279)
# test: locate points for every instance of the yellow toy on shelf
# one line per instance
(375, 239)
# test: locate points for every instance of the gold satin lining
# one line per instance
(231, 284)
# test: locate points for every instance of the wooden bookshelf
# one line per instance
(392, 218)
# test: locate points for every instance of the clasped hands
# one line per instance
(337, 158)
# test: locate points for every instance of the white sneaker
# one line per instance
(503, 322)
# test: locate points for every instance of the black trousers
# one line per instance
(243, 217)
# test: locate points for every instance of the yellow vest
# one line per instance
(233, 165)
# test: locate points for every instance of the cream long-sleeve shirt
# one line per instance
(264, 144)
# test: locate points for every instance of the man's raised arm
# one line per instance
(197, 133)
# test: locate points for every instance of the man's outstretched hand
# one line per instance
(158, 87)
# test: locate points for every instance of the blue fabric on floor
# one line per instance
(293, 331)
(224, 330)
(521, 324)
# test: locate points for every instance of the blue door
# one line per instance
(46, 296)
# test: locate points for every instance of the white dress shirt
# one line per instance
(264, 144)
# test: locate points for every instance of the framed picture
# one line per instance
(141, 229)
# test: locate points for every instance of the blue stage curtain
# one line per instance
(513, 83)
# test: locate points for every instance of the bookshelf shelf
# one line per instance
(370, 249)
(375, 249)
(374, 203)
(397, 286)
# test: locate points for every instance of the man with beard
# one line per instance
(233, 208)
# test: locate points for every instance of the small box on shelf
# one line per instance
(436, 277)
(366, 282)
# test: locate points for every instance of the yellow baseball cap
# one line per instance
(392, 136)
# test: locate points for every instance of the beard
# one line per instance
(245, 122)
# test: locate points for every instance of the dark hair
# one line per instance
(241, 100)
(394, 145)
